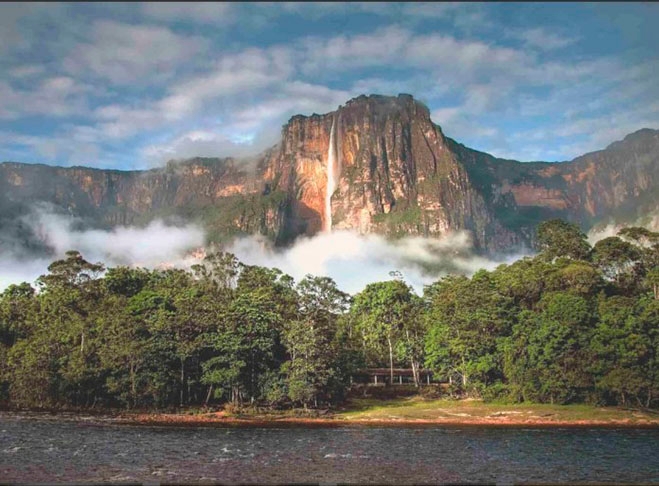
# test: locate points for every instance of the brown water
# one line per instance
(56, 450)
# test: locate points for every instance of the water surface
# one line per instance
(62, 451)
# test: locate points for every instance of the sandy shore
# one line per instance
(404, 412)
(221, 419)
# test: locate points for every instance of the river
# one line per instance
(58, 450)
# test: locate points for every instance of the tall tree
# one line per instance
(382, 309)
(557, 238)
(309, 339)
(466, 319)
(619, 261)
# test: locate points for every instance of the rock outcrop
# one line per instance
(394, 172)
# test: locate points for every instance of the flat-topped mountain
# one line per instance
(376, 164)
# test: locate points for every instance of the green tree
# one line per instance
(557, 238)
(467, 319)
(619, 261)
(547, 355)
(381, 310)
(309, 340)
(652, 280)
(244, 347)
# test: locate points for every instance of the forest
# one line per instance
(573, 324)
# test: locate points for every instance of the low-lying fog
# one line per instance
(352, 260)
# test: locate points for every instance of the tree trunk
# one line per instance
(253, 379)
(133, 388)
(391, 360)
(182, 379)
(415, 366)
(415, 373)
(208, 396)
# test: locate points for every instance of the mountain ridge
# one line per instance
(397, 174)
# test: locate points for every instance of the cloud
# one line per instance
(436, 10)
(201, 13)
(543, 39)
(11, 14)
(602, 231)
(26, 71)
(251, 128)
(354, 260)
(400, 48)
(157, 75)
(65, 150)
(248, 71)
(204, 143)
(126, 53)
(58, 96)
(157, 244)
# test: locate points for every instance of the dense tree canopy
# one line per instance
(572, 324)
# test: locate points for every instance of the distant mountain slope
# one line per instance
(394, 171)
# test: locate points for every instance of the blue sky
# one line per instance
(130, 86)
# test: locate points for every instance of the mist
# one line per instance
(351, 259)
(651, 222)
(355, 260)
(152, 246)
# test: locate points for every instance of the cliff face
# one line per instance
(617, 184)
(392, 172)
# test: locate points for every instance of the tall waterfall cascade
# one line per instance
(331, 177)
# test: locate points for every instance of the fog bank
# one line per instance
(354, 260)
(351, 259)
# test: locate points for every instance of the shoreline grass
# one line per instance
(402, 411)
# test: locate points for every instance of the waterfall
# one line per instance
(331, 179)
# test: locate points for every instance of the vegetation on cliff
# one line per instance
(574, 324)
(397, 174)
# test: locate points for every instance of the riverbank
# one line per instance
(416, 411)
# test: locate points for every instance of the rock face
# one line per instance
(394, 172)
(618, 184)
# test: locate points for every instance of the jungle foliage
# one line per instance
(575, 323)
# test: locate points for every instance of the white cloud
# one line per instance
(543, 39)
(170, 82)
(251, 128)
(343, 53)
(155, 245)
(200, 12)
(11, 35)
(126, 54)
(601, 231)
(248, 71)
(26, 71)
(58, 96)
(337, 255)
(432, 10)
(200, 143)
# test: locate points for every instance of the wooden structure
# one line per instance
(382, 376)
